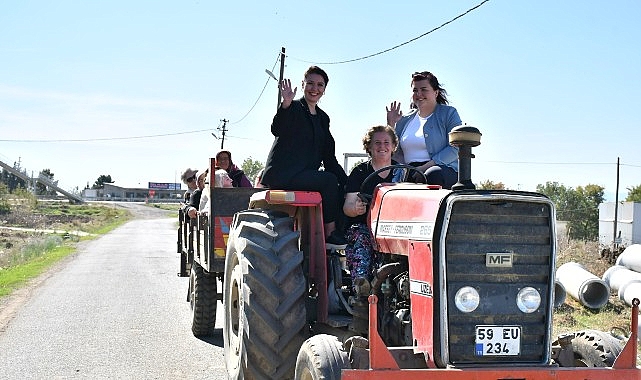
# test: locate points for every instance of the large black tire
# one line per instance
(202, 298)
(593, 348)
(322, 357)
(265, 317)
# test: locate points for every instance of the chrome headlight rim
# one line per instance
(528, 300)
(467, 299)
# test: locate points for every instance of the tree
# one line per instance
(580, 207)
(100, 182)
(490, 185)
(12, 181)
(251, 168)
(634, 194)
(41, 189)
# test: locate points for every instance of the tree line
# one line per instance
(579, 206)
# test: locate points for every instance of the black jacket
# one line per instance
(299, 146)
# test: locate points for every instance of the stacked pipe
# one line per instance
(587, 288)
(624, 277)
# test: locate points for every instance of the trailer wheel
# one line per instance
(322, 357)
(593, 348)
(265, 317)
(203, 302)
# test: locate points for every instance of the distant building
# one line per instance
(628, 223)
(154, 192)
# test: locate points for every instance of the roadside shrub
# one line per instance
(5, 207)
(35, 249)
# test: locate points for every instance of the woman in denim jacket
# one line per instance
(423, 133)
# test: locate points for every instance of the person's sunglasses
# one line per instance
(191, 179)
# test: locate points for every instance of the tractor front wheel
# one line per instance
(322, 357)
(264, 297)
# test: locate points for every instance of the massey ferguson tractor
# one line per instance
(464, 289)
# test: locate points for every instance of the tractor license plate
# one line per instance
(498, 340)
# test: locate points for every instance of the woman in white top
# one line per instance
(423, 133)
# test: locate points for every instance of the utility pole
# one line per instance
(616, 210)
(223, 129)
(280, 77)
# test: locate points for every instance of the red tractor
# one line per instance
(464, 290)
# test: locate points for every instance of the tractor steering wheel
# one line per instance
(367, 197)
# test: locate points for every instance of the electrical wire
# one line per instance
(259, 95)
(107, 138)
(397, 46)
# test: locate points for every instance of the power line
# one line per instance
(107, 138)
(149, 136)
(259, 95)
(550, 163)
(397, 46)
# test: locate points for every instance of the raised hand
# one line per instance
(394, 113)
(287, 93)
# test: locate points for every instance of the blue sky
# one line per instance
(553, 86)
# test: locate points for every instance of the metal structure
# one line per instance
(73, 198)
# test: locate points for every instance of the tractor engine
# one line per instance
(394, 304)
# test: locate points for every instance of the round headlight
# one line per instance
(467, 299)
(528, 299)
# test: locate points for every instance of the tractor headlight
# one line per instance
(528, 299)
(467, 299)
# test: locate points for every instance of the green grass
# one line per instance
(14, 277)
(167, 206)
(40, 253)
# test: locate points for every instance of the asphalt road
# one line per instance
(114, 310)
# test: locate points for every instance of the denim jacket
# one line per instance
(436, 129)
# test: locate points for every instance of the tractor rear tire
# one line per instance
(202, 300)
(593, 348)
(322, 357)
(264, 297)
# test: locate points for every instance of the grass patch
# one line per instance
(15, 276)
(166, 206)
(25, 255)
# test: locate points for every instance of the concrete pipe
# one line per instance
(590, 290)
(559, 294)
(630, 291)
(631, 258)
(618, 275)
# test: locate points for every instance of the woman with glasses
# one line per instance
(423, 132)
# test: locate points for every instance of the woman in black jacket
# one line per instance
(302, 143)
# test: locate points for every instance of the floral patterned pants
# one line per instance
(359, 251)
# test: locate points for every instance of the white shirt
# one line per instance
(413, 142)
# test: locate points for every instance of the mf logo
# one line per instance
(501, 260)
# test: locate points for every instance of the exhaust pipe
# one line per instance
(464, 137)
(590, 290)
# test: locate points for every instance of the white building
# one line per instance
(628, 223)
